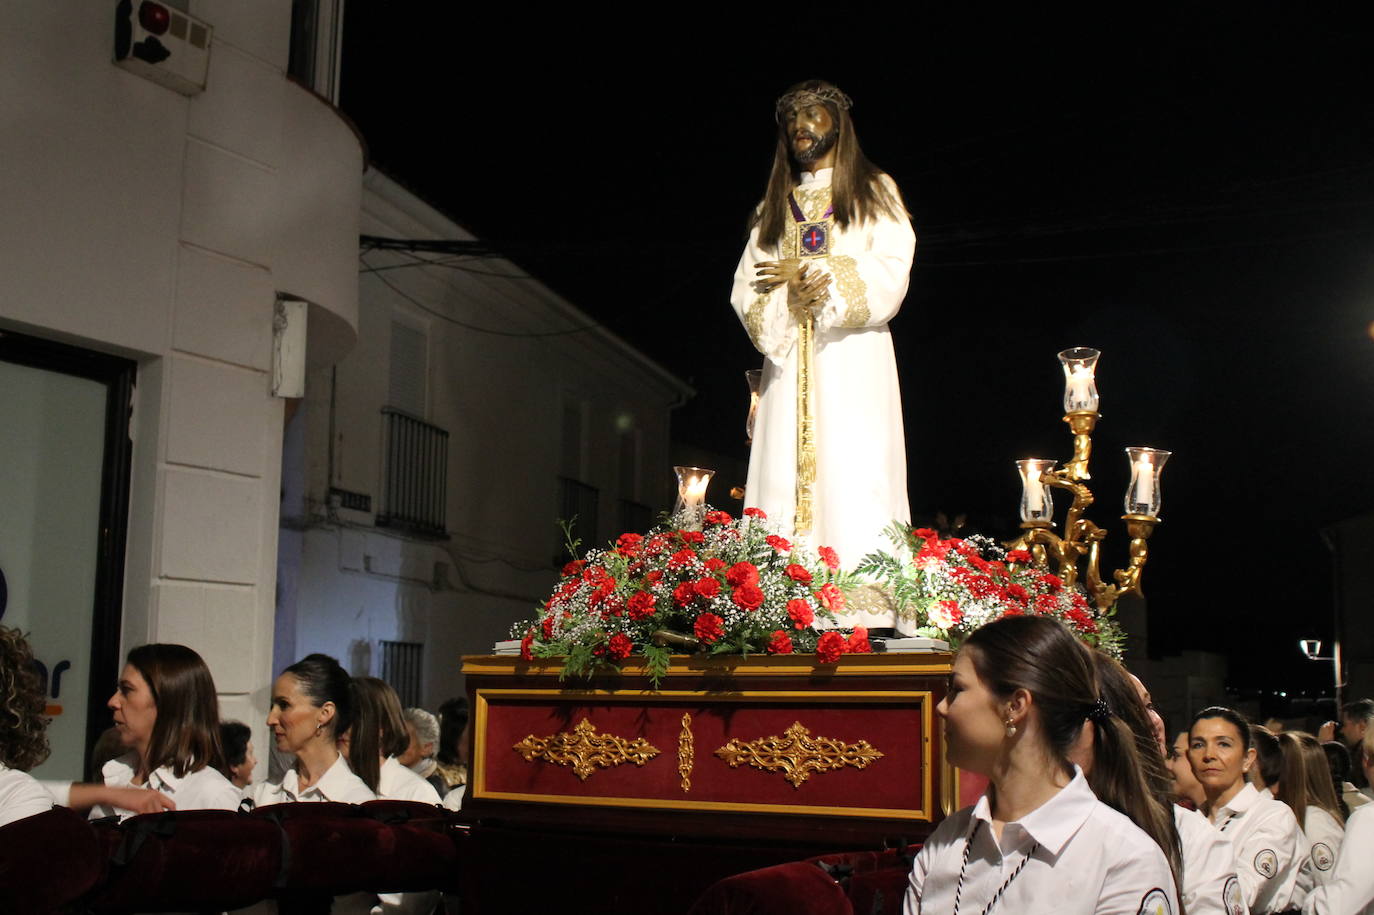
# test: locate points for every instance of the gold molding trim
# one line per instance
(585, 750)
(894, 664)
(797, 754)
(686, 752)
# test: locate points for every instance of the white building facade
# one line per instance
(426, 470)
(158, 230)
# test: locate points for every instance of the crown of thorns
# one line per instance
(803, 97)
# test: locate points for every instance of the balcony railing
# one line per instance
(414, 475)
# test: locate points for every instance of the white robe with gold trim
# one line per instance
(860, 483)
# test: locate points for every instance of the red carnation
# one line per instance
(525, 645)
(829, 557)
(602, 592)
(692, 536)
(546, 627)
(1018, 556)
(926, 533)
(858, 642)
(681, 558)
(706, 588)
(1051, 581)
(748, 597)
(831, 597)
(829, 647)
(709, 627)
(1017, 593)
(742, 573)
(982, 586)
(715, 564)
(574, 567)
(629, 544)
(755, 513)
(684, 593)
(653, 576)
(781, 643)
(641, 604)
(799, 611)
(778, 543)
(1046, 604)
(798, 573)
(716, 516)
(620, 646)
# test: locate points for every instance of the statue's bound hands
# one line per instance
(806, 289)
(772, 274)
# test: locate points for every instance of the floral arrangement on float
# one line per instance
(949, 587)
(732, 587)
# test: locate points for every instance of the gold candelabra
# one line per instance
(1081, 536)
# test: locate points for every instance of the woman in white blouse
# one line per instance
(1039, 840)
(23, 738)
(377, 737)
(1305, 786)
(312, 705)
(1269, 846)
(1205, 864)
(167, 714)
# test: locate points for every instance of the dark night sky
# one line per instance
(1189, 190)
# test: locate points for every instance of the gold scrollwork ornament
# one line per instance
(585, 750)
(797, 754)
(686, 753)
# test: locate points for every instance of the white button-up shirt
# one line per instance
(1073, 855)
(1210, 884)
(397, 783)
(337, 784)
(1349, 888)
(1270, 848)
(204, 789)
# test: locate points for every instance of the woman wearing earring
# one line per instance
(1269, 846)
(1022, 690)
(312, 705)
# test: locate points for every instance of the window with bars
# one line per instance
(414, 475)
(403, 670)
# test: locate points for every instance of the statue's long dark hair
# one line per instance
(856, 190)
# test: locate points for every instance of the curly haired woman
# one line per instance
(23, 741)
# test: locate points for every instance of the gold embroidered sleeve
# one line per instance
(753, 319)
(852, 289)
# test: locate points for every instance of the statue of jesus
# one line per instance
(826, 267)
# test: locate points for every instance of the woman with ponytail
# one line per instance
(1022, 690)
(312, 704)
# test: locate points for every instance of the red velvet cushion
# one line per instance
(194, 859)
(798, 888)
(417, 851)
(874, 881)
(47, 860)
(329, 846)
